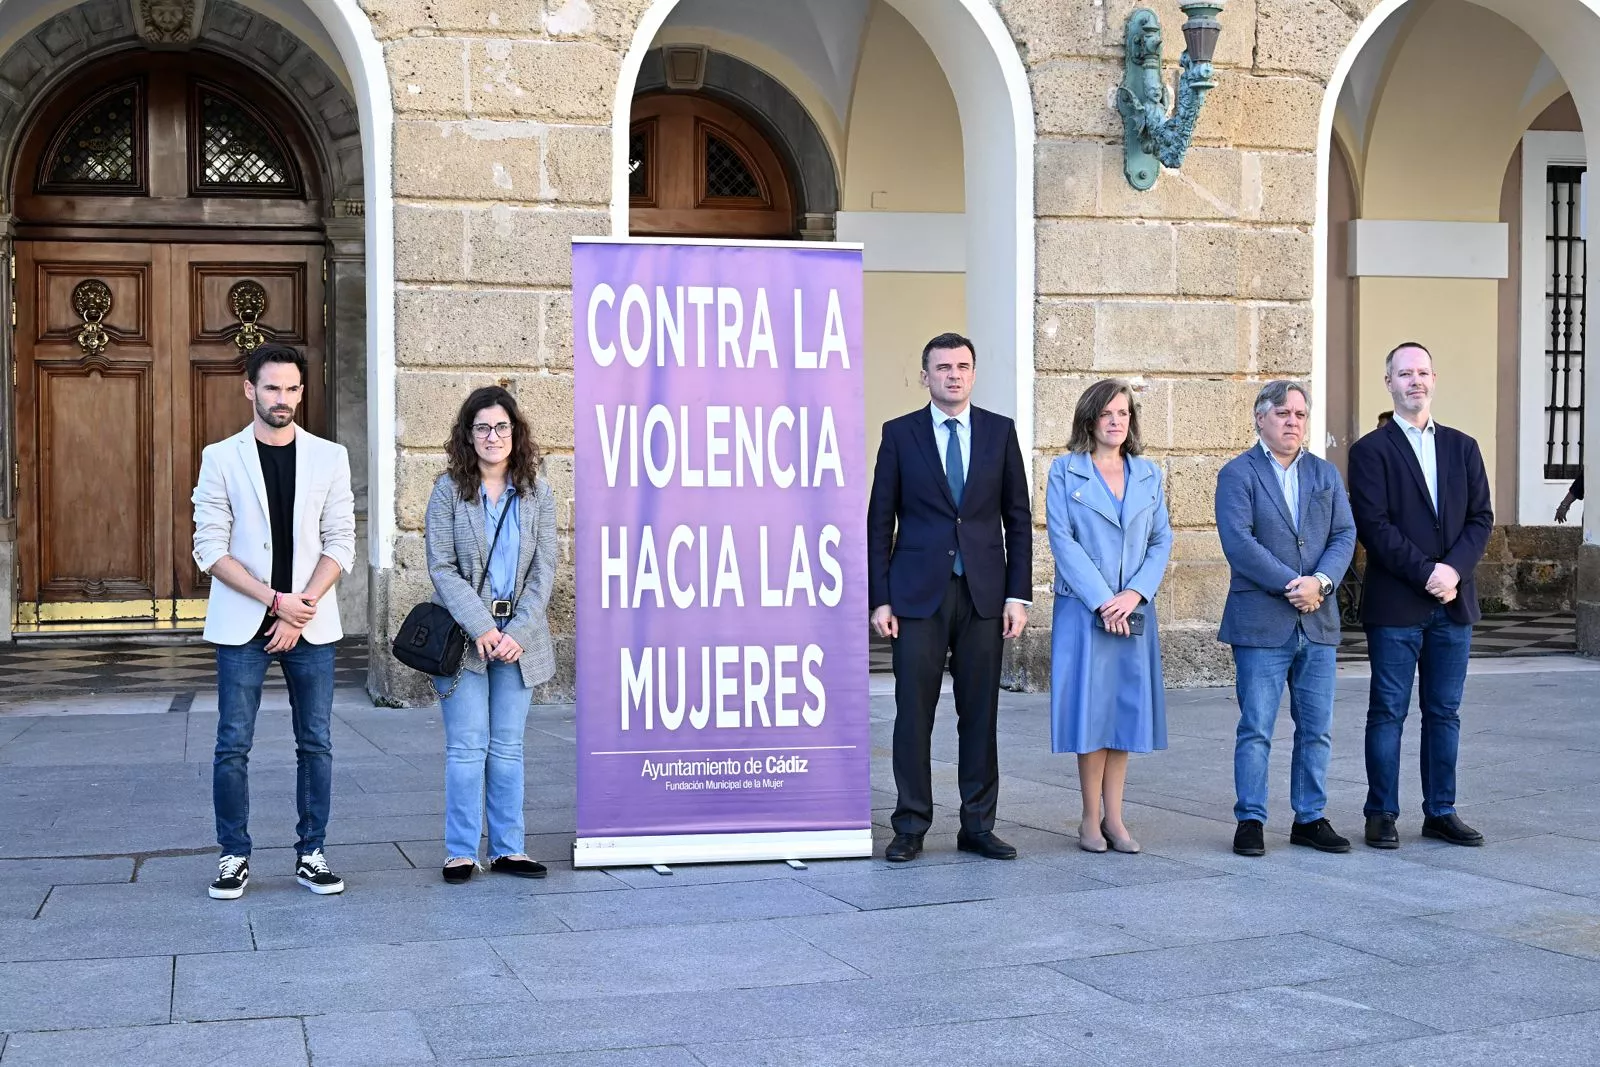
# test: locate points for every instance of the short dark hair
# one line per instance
(261, 355)
(1388, 361)
(1093, 401)
(949, 340)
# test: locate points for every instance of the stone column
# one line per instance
(8, 435)
(346, 294)
(1586, 595)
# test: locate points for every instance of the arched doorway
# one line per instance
(698, 168)
(169, 218)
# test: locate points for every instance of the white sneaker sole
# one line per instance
(320, 890)
(226, 894)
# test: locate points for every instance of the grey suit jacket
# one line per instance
(1266, 552)
(457, 556)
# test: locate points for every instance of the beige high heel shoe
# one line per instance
(1126, 844)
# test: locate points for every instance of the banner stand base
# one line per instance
(721, 848)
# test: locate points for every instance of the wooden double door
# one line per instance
(129, 362)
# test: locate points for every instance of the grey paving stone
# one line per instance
(132, 919)
(1256, 1026)
(1549, 861)
(360, 1039)
(954, 937)
(1218, 967)
(21, 902)
(657, 1056)
(1515, 984)
(351, 918)
(756, 1014)
(1415, 942)
(668, 960)
(354, 978)
(257, 1042)
(692, 904)
(1567, 1041)
(715, 873)
(172, 832)
(1569, 924)
(1011, 1042)
(82, 993)
(913, 886)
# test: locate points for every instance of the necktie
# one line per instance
(954, 473)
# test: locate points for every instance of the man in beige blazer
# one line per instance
(274, 526)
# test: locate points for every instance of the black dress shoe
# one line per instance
(460, 872)
(986, 845)
(520, 868)
(1381, 832)
(1247, 839)
(1318, 835)
(1450, 828)
(904, 848)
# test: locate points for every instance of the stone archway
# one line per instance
(49, 52)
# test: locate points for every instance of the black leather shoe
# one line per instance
(1381, 832)
(460, 872)
(1247, 839)
(520, 868)
(1450, 828)
(986, 845)
(904, 848)
(1318, 835)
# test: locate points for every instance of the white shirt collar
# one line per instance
(1428, 427)
(939, 417)
(1267, 451)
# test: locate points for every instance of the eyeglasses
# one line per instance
(482, 430)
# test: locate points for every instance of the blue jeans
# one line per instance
(484, 720)
(308, 670)
(1436, 653)
(1309, 670)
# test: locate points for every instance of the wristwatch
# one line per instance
(1324, 584)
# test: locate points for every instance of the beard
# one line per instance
(277, 418)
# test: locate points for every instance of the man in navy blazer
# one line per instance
(949, 571)
(1421, 502)
(1288, 535)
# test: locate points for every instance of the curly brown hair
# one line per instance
(1093, 401)
(522, 471)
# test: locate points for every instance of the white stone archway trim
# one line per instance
(362, 56)
(996, 108)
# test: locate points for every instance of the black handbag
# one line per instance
(430, 640)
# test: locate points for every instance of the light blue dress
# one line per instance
(1105, 691)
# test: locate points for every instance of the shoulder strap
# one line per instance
(494, 541)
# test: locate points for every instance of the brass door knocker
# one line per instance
(92, 300)
(249, 302)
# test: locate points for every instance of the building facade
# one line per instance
(394, 184)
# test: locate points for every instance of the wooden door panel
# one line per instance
(93, 446)
(208, 382)
(96, 499)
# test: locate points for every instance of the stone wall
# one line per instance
(1199, 288)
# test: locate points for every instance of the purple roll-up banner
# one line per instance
(722, 704)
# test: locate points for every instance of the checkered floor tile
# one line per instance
(29, 668)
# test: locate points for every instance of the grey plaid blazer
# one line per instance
(457, 556)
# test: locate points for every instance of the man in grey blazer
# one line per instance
(1288, 535)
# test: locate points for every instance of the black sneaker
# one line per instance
(312, 872)
(1318, 835)
(1247, 839)
(233, 874)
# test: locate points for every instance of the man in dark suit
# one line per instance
(1421, 502)
(1287, 533)
(949, 564)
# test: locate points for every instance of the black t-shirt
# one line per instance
(277, 470)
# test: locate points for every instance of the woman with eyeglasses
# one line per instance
(491, 541)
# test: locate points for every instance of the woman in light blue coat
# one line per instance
(1111, 538)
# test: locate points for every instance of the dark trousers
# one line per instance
(1436, 654)
(241, 671)
(974, 645)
